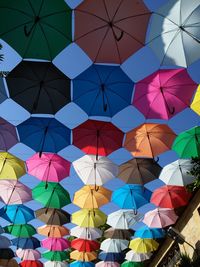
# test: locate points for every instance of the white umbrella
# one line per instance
(177, 173)
(4, 242)
(55, 264)
(86, 232)
(137, 257)
(93, 171)
(114, 245)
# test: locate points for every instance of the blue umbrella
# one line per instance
(26, 243)
(102, 90)
(119, 257)
(17, 214)
(82, 264)
(44, 134)
(152, 233)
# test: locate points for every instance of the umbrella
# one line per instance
(146, 245)
(28, 254)
(137, 257)
(1, 230)
(164, 93)
(107, 31)
(4, 242)
(55, 264)
(20, 230)
(139, 171)
(6, 253)
(26, 243)
(82, 264)
(89, 218)
(8, 263)
(48, 167)
(187, 144)
(85, 245)
(17, 214)
(107, 264)
(56, 255)
(11, 167)
(91, 196)
(152, 233)
(160, 217)
(53, 243)
(14, 192)
(118, 233)
(53, 231)
(83, 256)
(170, 196)
(97, 137)
(95, 171)
(32, 21)
(129, 197)
(86, 232)
(102, 90)
(132, 264)
(44, 134)
(149, 140)
(8, 135)
(39, 87)
(52, 195)
(195, 105)
(110, 256)
(123, 219)
(114, 245)
(174, 33)
(29, 263)
(52, 216)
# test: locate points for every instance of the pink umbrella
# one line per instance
(48, 167)
(28, 254)
(164, 93)
(56, 244)
(14, 192)
(107, 264)
(160, 218)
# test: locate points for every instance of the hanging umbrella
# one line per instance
(108, 32)
(195, 106)
(139, 171)
(118, 233)
(55, 264)
(89, 218)
(39, 87)
(107, 264)
(149, 140)
(52, 216)
(114, 245)
(26, 243)
(86, 232)
(4, 242)
(82, 264)
(8, 135)
(48, 167)
(187, 144)
(1, 230)
(56, 255)
(132, 264)
(102, 90)
(6, 253)
(137, 257)
(20, 230)
(146, 245)
(28, 254)
(44, 134)
(58, 244)
(3, 94)
(83, 256)
(95, 171)
(91, 196)
(14, 192)
(32, 21)
(110, 256)
(164, 93)
(160, 217)
(51, 195)
(174, 33)
(85, 245)
(55, 231)
(8, 263)
(97, 137)
(29, 263)
(11, 167)
(152, 233)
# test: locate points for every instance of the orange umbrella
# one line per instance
(53, 231)
(149, 140)
(83, 256)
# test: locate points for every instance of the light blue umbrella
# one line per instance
(82, 264)
(146, 232)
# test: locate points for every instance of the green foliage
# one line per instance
(196, 172)
(185, 261)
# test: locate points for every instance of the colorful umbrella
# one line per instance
(146, 245)
(29, 263)
(137, 257)
(107, 264)
(164, 93)
(195, 106)
(110, 256)
(106, 31)
(152, 233)
(56, 255)
(58, 244)
(1, 230)
(132, 264)
(118, 233)
(114, 245)
(149, 140)
(32, 21)
(83, 256)
(6, 253)
(55, 264)
(8, 263)
(8, 135)
(52, 216)
(4, 242)
(26, 243)
(28, 254)
(55, 231)
(86, 232)
(20, 230)
(82, 264)
(95, 171)
(85, 245)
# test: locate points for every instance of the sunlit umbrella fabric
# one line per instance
(20, 230)
(82, 264)
(114, 245)
(137, 257)
(83, 256)
(152, 233)
(86, 232)
(55, 231)
(146, 245)
(85, 245)
(55, 264)
(52, 216)
(118, 233)
(55, 244)
(56, 255)
(107, 264)
(30, 263)
(195, 105)
(132, 264)
(28, 254)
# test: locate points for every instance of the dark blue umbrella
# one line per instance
(102, 90)
(119, 257)
(26, 243)
(44, 134)
(152, 233)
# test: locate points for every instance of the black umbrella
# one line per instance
(6, 253)
(3, 95)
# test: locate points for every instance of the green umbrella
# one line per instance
(51, 196)
(36, 29)
(20, 230)
(187, 144)
(132, 264)
(56, 255)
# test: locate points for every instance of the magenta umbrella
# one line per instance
(28, 254)
(164, 93)
(56, 244)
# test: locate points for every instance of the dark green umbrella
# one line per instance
(52, 216)
(36, 29)
(56, 255)
(20, 230)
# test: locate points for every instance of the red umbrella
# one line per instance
(85, 245)
(28, 263)
(170, 196)
(108, 31)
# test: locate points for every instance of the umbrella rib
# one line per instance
(15, 9)
(106, 10)
(24, 90)
(120, 96)
(96, 29)
(16, 27)
(83, 80)
(101, 44)
(91, 14)
(87, 92)
(118, 8)
(134, 16)
(55, 89)
(49, 49)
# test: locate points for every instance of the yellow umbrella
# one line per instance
(83, 256)
(11, 167)
(146, 245)
(90, 196)
(196, 102)
(89, 218)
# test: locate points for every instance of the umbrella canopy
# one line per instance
(86, 232)
(56, 255)
(51, 195)
(110, 256)
(149, 140)
(3, 94)
(114, 245)
(8, 263)
(118, 233)
(52, 216)
(187, 144)
(89, 218)
(14, 192)
(32, 21)
(44, 134)
(146, 245)
(48, 167)
(4, 242)
(55, 264)
(95, 171)
(8, 135)
(55, 231)
(91, 196)
(58, 244)
(107, 31)
(132, 264)
(137, 257)
(85, 245)
(97, 137)
(160, 217)
(28, 254)
(6, 253)
(195, 106)
(26, 243)
(83, 256)
(102, 90)
(30, 263)
(139, 171)
(152, 233)
(82, 264)
(20, 230)
(107, 264)
(164, 93)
